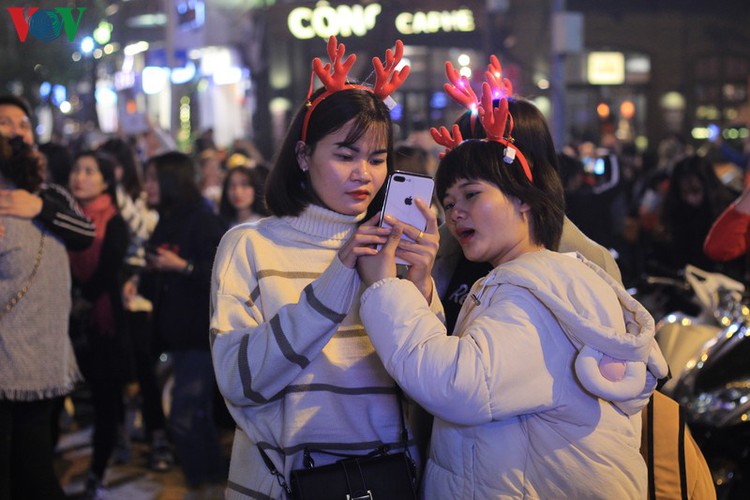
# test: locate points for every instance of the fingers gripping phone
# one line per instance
(400, 192)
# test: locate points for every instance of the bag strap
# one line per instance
(274, 471)
(681, 454)
(25, 288)
(650, 448)
(309, 463)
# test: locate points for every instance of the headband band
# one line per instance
(333, 75)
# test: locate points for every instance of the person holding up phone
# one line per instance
(454, 274)
(291, 357)
(537, 392)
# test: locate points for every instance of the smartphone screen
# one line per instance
(400, 192)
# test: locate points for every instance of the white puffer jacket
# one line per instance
(513, 419)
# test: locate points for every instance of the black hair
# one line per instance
(484, 160)
(106, 165)
(256, 178)
(17, 101)
(288, 191)
(175, 173)
(125, 156)
(59, 162)
(716, 195)
(530, 132)
(411, 158)
(19, 164)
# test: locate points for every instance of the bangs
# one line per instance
(369, 122)
(470, 162)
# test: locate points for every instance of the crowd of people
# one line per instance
(505, 359)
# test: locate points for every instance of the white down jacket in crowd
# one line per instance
(513, 419)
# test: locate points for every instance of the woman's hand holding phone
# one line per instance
(363, 242)
(381, 264)
(420, 253)
(418, 250)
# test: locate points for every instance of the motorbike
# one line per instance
(706, 344)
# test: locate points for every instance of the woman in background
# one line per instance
(98, 314)
(37, 363)
(695, 199)
(180, 253)
(141, 221)
(242, 197)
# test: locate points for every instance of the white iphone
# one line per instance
(400, 192)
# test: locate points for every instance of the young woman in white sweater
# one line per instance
(537, 393)
(291, 357)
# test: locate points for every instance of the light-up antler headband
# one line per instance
(497, 121)
(333, 76)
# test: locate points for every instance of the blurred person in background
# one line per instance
(695, 199)
(729, 237)
(37, 363)
(242, 197)
(98, 318)
(49, 204)
(180, 254)
(141, 221)
(211, 176)
(57, 162)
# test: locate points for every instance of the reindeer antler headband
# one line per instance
(497, 121)
(333, 75)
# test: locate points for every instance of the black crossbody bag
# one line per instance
(378, 475)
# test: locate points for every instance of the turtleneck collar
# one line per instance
(324, 223)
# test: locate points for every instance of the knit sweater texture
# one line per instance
(36, 355)
(291, 356)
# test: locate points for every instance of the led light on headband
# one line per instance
(333, 76)
(498, 125)
(495, 120)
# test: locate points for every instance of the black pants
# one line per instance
(145, 359)
(26, 453)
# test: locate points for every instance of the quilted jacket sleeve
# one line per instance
(494, 369)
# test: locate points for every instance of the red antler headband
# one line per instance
(460, 89)
(333, 75)
(495, 120)
(497, 123)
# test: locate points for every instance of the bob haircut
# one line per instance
(106, 165)
(175, 173)
(288, 190)
(19, 164)
(483, 160)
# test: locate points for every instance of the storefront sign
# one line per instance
(323, 20)
(408, 23)
(606, 68)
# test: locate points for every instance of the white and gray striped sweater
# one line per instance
(291, 356)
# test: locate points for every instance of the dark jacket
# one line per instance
(181, 301)
(105, 353)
